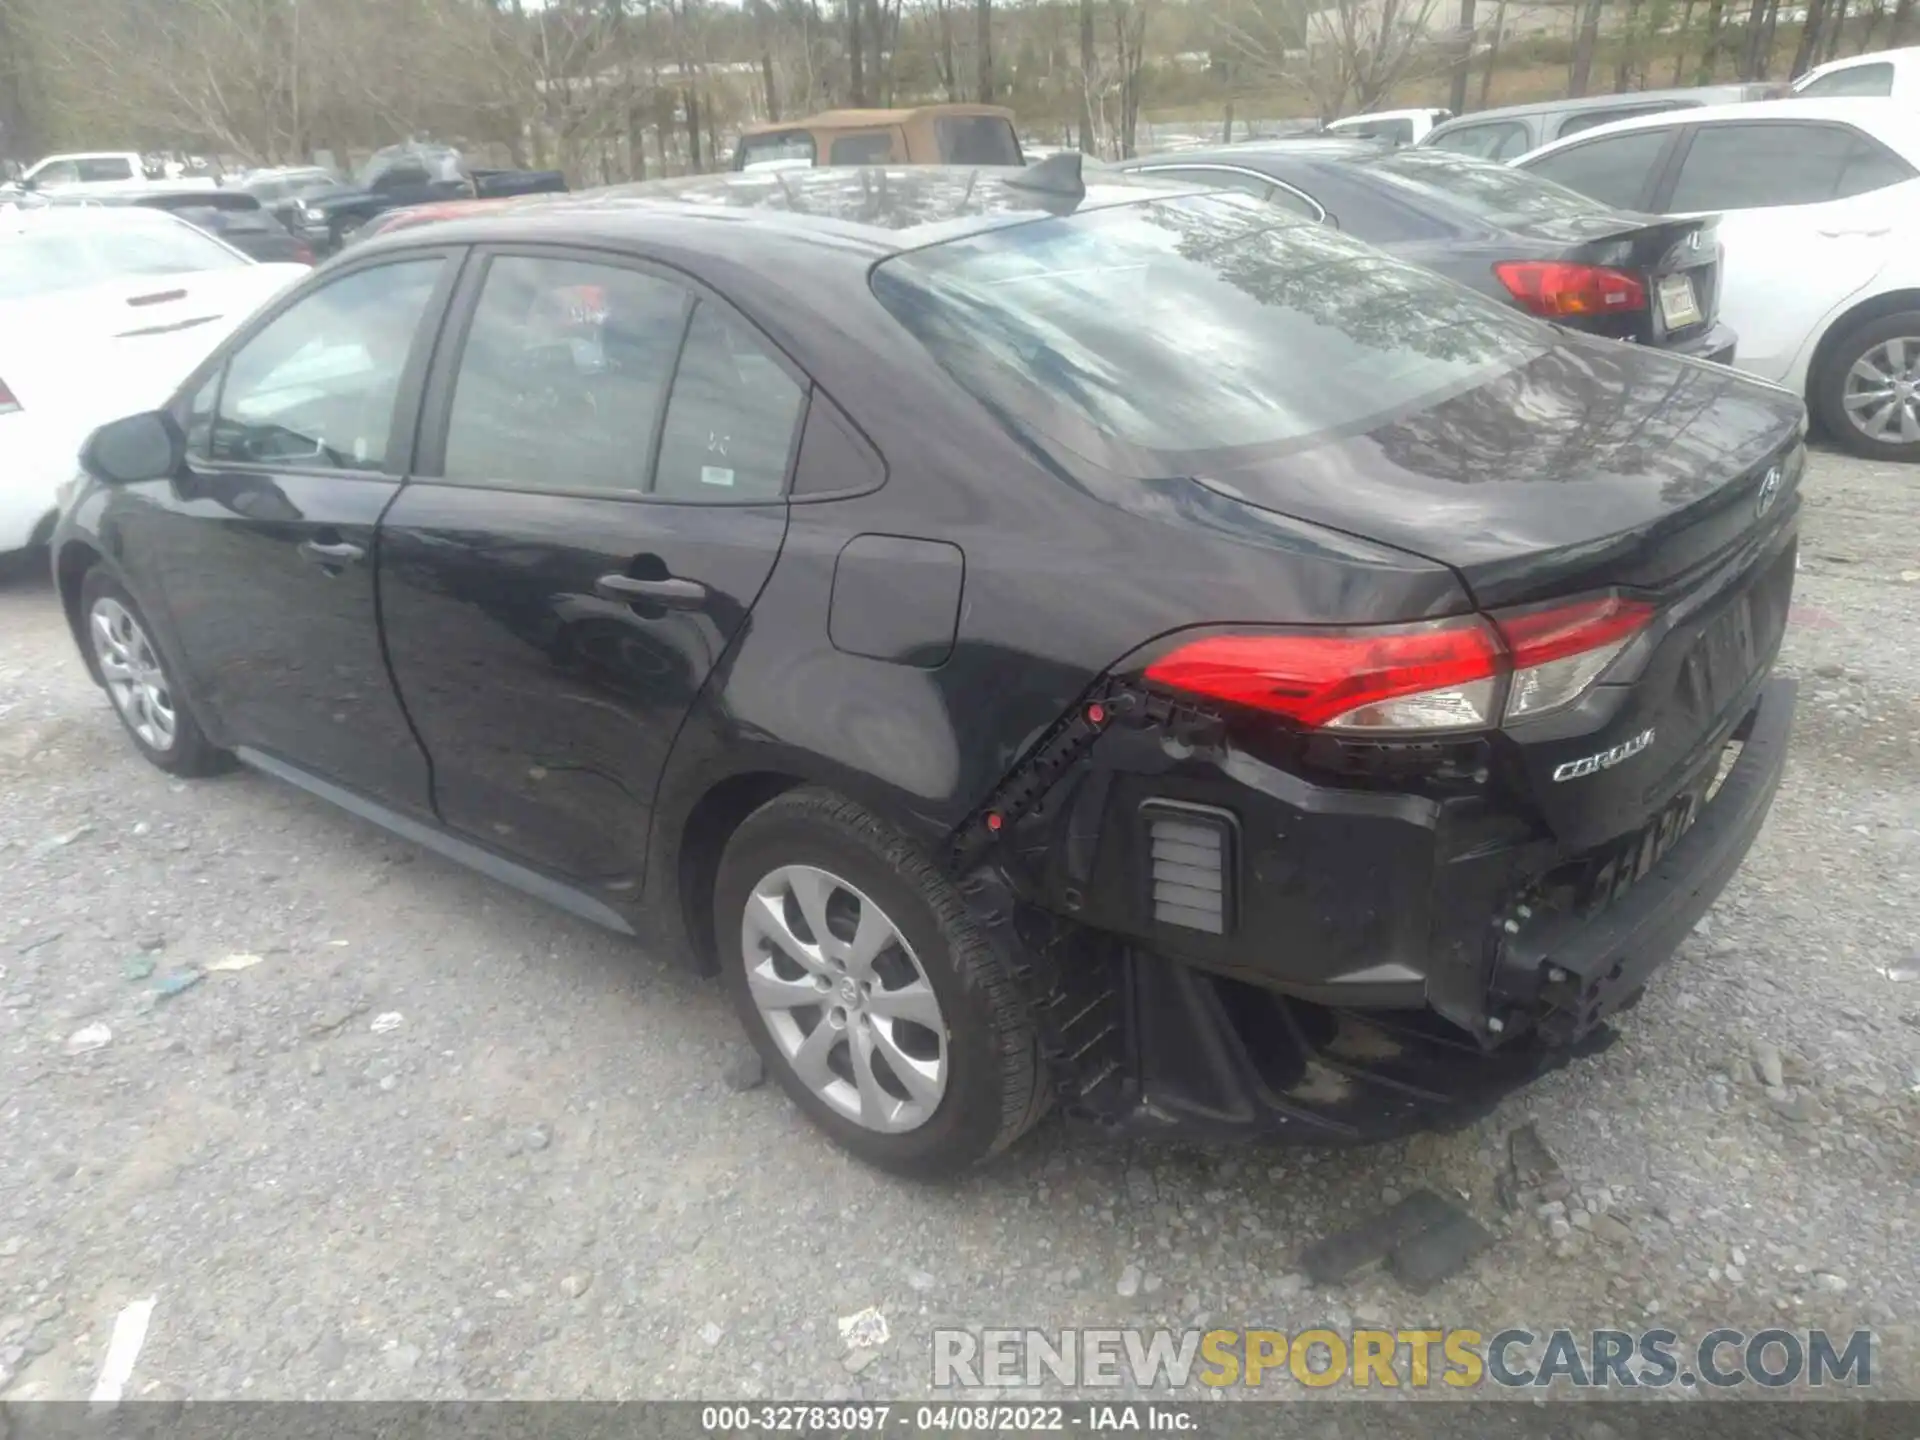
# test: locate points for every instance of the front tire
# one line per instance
(145, 697)
(873, 997)
(1867, 390)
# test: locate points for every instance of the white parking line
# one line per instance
(129, 1334)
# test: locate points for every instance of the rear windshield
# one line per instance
(977, 140)
(96, 246)
(1195, 324)
(1488, 191)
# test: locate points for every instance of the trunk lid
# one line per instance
(1592, 464)
(1662, 253)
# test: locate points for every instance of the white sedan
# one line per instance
(1819, 205)
(103, 311)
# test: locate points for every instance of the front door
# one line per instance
(600, 499)
(263, 544)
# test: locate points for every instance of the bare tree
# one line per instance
(1347, 56)
(984, 48)
(1088, 77)
(1586, 40)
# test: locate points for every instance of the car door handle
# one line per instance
(1856, 234)
(337, 552)
(674, 594)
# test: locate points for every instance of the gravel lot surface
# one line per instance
(442, 1141)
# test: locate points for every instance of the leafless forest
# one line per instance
(625, 89)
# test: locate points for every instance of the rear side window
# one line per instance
(1193, 325)
(315, 390)
(1500, 141)
(1613, 169)
(563, 377)
(788, 145)
(1591, 119)
(1746, 167)
(731, 422)
(872, 148)
(1876, 79)
(976, 140)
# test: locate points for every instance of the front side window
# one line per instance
(1613, 169)
(1499, 141)
(1194, 325)
(1748, 166)
(872, 148)
(563, 377)
(731, 422)
(315, 390)
(58, 172)
(1875, 79)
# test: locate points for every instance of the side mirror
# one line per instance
(140, 447)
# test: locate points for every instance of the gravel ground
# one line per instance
(441, 1141)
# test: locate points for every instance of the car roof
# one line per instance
(1724, 94)
(869, 119)
(882, 209)
(1884, 119)
(1293, 147)
(80, 217)
(1413, 114)
(1903, 55)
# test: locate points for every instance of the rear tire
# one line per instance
(157, 716)
(919, 1099)
(1867, 389)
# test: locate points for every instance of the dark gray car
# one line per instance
(1513, 130)
(1506, 233)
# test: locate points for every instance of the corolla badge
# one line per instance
(1605, 760)
(1769, 491)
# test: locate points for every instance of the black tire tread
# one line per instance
(193, 756)
(978, 962)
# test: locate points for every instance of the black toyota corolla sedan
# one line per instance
(1113, 646)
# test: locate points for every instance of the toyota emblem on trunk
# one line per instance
(1769, 492)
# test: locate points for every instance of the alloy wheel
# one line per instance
(845, 998)
(1882, 392)
(133, 674)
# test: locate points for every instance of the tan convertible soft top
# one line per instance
(920, 135)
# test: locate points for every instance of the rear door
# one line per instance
(599, 499)
(263, 545)
(1806, 221)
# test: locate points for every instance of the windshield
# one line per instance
(72, 250)
(1195, 324)
(1496, 193)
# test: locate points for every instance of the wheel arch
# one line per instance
(703, 837)
(70, 569)
(1865, 312)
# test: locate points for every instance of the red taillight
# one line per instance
(302, 254)
(1558, 650)
(1555, 288)
(8, 403)
(1443, 675)
(1349, 679)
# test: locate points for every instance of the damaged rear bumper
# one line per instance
(1148, 1042)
